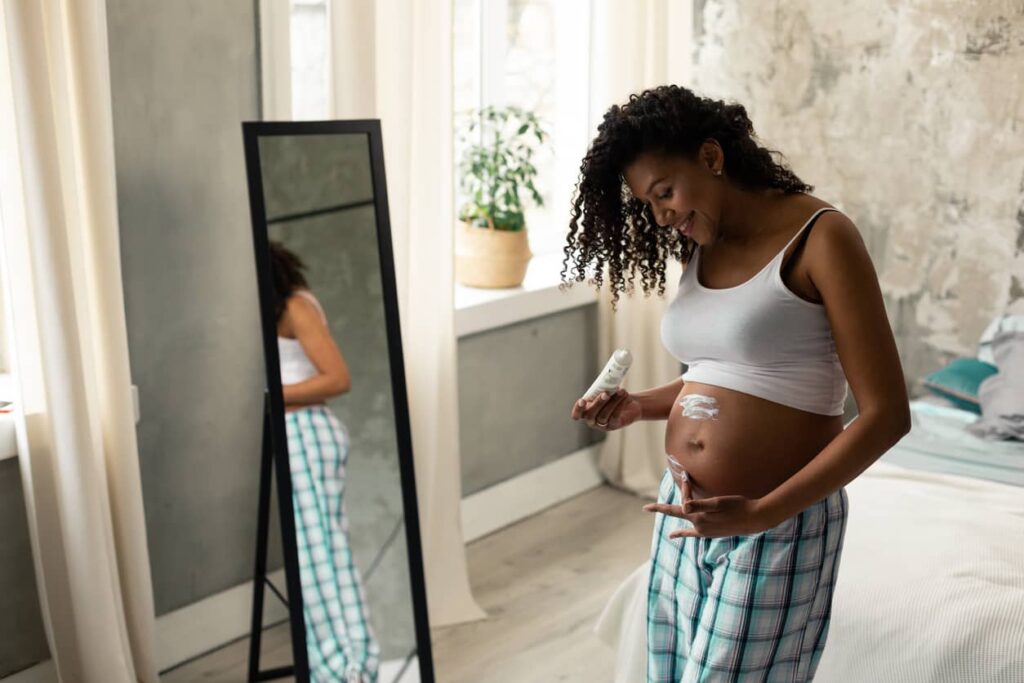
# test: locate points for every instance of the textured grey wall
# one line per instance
(183, 77)
(907, 115)
(311, 172)
(339, 249)
(517, 385)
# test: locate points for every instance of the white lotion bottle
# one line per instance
(612, 375)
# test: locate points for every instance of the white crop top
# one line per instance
(295, 364)
(757, 337)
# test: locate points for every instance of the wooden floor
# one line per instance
(230, 664)
(543, 583)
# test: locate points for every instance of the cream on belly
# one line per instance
(697, 407)
(700, 407)
(678, 472)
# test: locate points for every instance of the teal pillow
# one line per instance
(959, 380)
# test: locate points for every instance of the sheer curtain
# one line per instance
(656, 36)
(76, 433)
(392, 60)
(275, 59)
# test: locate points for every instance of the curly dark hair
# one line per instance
(609, 225)
(286, 271)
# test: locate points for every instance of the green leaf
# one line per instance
(497, 163)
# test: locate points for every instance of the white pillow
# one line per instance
(1001, 323)
(1002, 395)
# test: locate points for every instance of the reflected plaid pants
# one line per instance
(339, 639)
(742, 608)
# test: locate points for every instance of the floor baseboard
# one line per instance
(510, 501)
(43, 672)
(193, 630)
(208, 624)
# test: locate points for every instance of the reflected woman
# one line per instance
(340, 641)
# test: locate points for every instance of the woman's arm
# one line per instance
(841, 270)
(656, 403)
(316, 340)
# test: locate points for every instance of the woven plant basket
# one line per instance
(490, 258)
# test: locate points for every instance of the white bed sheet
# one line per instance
(930, 587)
(939, 442)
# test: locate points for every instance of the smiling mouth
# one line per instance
(687, 224)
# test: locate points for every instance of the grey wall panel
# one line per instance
(183, 78)
(517, 385)
(22, 638)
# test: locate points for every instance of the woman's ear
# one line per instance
(711, 155)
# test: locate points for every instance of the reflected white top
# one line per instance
(295, 364)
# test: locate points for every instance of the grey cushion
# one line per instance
(1002, 395)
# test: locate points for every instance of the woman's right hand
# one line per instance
(608, 411)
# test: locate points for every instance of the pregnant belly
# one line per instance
(749, 447)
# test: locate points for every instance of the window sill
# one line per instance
(478, 310)
(8, 435)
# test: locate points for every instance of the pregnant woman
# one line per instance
(339, 639)
(777, 308)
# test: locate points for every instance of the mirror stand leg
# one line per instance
(260, 581)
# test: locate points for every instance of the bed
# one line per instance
(931, 581)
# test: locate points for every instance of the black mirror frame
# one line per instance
(252, 131)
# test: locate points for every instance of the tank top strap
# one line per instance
(308, 295)
(800, 237)
(804, 228)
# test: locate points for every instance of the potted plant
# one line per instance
(496, 173)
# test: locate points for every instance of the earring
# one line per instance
(718, 171)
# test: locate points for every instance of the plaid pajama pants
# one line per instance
(742, 608)
(339, 639)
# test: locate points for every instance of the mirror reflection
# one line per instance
(339, 415)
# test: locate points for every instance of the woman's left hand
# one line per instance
(717, 516)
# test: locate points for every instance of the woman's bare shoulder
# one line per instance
(300, 311)
(299, 304)
(804, 204)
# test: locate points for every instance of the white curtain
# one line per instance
(392, 60)
(76, 434)
(275, 59)
(637, 44)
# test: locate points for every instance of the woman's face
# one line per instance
(684, 194)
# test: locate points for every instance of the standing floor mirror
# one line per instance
(336, 434)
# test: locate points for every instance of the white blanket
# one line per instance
(930, 587)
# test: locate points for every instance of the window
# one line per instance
(530, 53)
(533, 54)
(309, 59)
